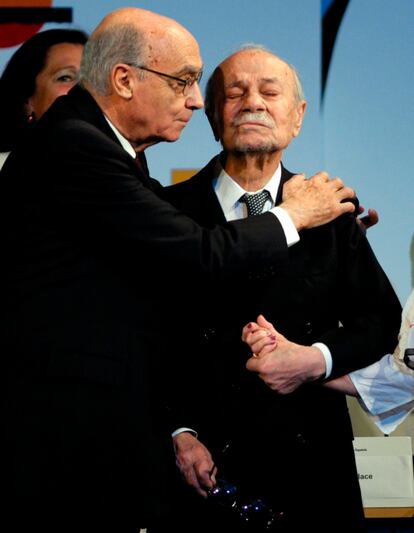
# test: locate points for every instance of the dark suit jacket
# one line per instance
(86, 247)
(296, 448)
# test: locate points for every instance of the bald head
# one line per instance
(125, 15)
(261, 53)
(143, 69)
(154, 25)
(133, 36)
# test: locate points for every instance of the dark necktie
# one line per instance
(255, 202)
(138, 163)
(141, 165)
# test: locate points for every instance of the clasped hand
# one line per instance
(283, 365)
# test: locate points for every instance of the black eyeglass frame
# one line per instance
(185, 83)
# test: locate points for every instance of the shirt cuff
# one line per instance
(326, 352)
(291, 234)
(373, 384)
(182, 430)
(385, 392)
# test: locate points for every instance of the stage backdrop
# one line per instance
(361, 130)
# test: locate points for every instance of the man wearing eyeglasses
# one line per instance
(87, 245)
(285, 452)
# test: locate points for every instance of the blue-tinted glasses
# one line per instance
(253, 513)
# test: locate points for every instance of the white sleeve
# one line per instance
(182, 430)
(326, 352)
(386, 392)
(291, 234)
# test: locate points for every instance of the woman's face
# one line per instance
(57, 77)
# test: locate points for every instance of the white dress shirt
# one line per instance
(229, 192)
(126, 145)
(386, 387)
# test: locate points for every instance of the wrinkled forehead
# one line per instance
(250, 66)
(174, 49)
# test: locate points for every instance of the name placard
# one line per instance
(385, 471)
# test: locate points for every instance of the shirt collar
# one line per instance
(229, 192)
(126, 145)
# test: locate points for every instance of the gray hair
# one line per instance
(121, 43)
(211, 100)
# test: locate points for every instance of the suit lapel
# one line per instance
(207, 203)
(89, 110)
(286, 175)
(206, 206)
(197, 198)
(213, 210)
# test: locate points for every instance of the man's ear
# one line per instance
(300, 113)
(123, 81)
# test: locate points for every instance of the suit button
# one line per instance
(308, 328)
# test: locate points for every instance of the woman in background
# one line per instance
(43, 68)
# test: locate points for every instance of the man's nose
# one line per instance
(253, 101)
(195, 98)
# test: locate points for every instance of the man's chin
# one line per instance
(175, 134)
(258, 148)
(254, 143)
(172, 138)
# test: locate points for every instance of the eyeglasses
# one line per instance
(254, 513)
(185, 83)
(409, 358)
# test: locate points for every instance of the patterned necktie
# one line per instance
(255, 202)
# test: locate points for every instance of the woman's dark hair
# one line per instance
(18, 81)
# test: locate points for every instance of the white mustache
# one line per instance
(261, 118)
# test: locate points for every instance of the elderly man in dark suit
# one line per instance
(86, 245)
(287, 442)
